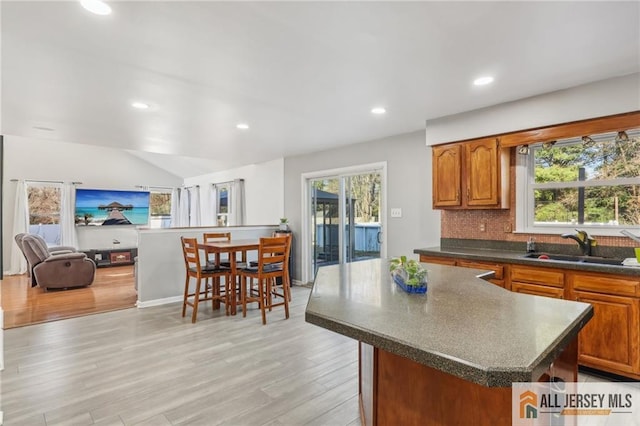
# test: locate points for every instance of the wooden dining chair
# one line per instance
(210, 237)
(222, 261)
(194, 269)
(258, 284)
(279, 283)
(288, 263)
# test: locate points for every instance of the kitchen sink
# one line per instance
(573, 258)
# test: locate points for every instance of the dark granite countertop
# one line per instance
(463, 326)
(517, 257)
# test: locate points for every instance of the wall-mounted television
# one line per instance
(101, 207)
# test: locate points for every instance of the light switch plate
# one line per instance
(396, 212)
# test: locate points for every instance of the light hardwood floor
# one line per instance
(113, 288)
(152, 367)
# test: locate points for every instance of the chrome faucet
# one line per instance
(584, 240)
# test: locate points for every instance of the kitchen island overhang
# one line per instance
(463, 327)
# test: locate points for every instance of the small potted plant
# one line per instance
(408, 274)
(284, 224)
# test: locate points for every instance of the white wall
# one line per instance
(161, 271)
(95, 167)
(408, 187)
(602, 98)
(264, 193)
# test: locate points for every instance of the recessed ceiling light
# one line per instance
(378, 110)
(481, 81)
(140, 105)
(242, 126)
(96, 6)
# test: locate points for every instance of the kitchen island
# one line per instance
(450, 356)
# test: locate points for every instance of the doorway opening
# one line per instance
(343, 216)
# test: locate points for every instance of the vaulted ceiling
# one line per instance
(303, 75)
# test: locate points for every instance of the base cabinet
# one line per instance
(394, 390)
(537, 281)
(438, 260)
(611, 340)
(497, 268)
(537, 290)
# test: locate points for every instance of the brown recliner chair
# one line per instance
(61, 270)
(53, 250)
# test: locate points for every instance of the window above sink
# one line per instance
(591, 182)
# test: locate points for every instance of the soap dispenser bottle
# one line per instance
(531, 245)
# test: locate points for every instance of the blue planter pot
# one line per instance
(418, 289)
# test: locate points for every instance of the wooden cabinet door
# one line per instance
(610, 341)
(537, 290)
(531, 274)
(497, 268)
(439, 260)
(483, 172)
(616, 285)
(447, 171)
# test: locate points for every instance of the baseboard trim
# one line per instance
(174, 299)
(158, 302)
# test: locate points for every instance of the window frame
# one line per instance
(525, 202)
(28, 206)
(163, 217)
(220, 215)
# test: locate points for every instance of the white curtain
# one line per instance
(183, 213)
(68, 235)
(194, 206)
(175, 207)
(20, 224)
(213, 193)
(237, 215)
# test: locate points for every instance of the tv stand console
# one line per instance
(113, 256)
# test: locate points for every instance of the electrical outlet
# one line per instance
(396, 212)
(483, 227)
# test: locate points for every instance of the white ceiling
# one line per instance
(303, 75)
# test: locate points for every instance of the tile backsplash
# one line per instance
(467, 224)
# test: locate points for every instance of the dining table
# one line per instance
(231, 247)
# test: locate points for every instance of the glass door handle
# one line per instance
(378, 237)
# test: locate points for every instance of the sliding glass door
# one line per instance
(345, 223)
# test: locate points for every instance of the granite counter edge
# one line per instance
(490, 377)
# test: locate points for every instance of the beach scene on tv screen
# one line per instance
(99, 207)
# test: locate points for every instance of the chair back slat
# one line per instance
(210, 237)
(191, 254)
(272, 250)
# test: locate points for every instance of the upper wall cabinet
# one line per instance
(481, 165)
(447, 172)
